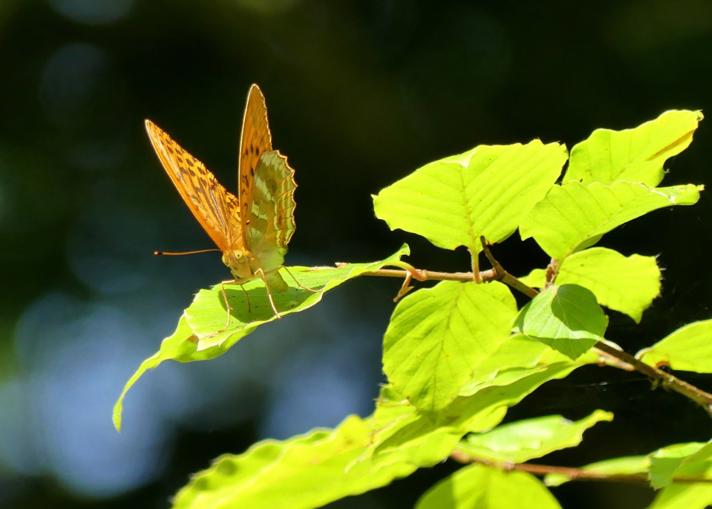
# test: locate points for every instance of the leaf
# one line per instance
(689, 348)
(196, 339)
(522, 441)
(207, 314)
(574, 215)
(483, 487)
(478, 412)
(485, 191)
(436, 336)
(637, 154)
(626, 284)
(680, 460)
(566, 317)
(684, 496)
(516, 358)
(614, 466)
(305, 471)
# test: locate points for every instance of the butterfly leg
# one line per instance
(298, 283)
(262, 276)
(227, 303)
(247, 298)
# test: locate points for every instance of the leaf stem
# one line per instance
(623, 360)
(574, 474)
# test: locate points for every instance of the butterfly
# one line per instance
(252, 228)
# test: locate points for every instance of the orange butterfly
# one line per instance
(253, 228)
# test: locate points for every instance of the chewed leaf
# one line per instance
(636, 155)
(521, 441)
(485, 191)
(202, 333)
(688, 348)
(573, 216)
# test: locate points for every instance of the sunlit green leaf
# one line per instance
(689, 348)
(624, 465)
(305, 471)
(202, 333)
(250, 307)
(637, 154)
(437, 335)
(478, 486)
(479, 412)
(516, 358)
(680, 460)
(573, 216)
(485, 191)
(566, 317)
(521, 441)
(685, 496)
(624, 283)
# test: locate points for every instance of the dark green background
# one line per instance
(360, 93)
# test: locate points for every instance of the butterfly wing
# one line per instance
(216, 209)
(255, 140)
(270, 223)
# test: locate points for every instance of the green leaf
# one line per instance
(202, 333)
(575, 215)
(684, 496)
(689, 348)
(566, 317)
(483, 487)
(522, 441)
(633, 154)
(536, 278)
(478, 412)
(516, 358)
(615, 466)
(305, 471)
(485, 191)
(437, 335)
(626, 284)
(692, 459)
(179, 346)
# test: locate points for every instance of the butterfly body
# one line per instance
(252, 228)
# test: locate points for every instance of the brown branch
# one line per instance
(574, 474)
(620, 359)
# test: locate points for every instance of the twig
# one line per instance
(574, 474)
(623, 360)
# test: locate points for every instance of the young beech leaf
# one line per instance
(566, 317)
(613, 466)
(307, 471)
(480, 486)
(636, 155)
(480, 410)
(690, 459)
(437, 335)
(521, 441)
(202, 332)
(625, 283)
(575, 215)
(485, 191)
(689, 348)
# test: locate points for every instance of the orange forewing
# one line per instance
(213, 206)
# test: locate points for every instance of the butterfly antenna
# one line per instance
(182, 253)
